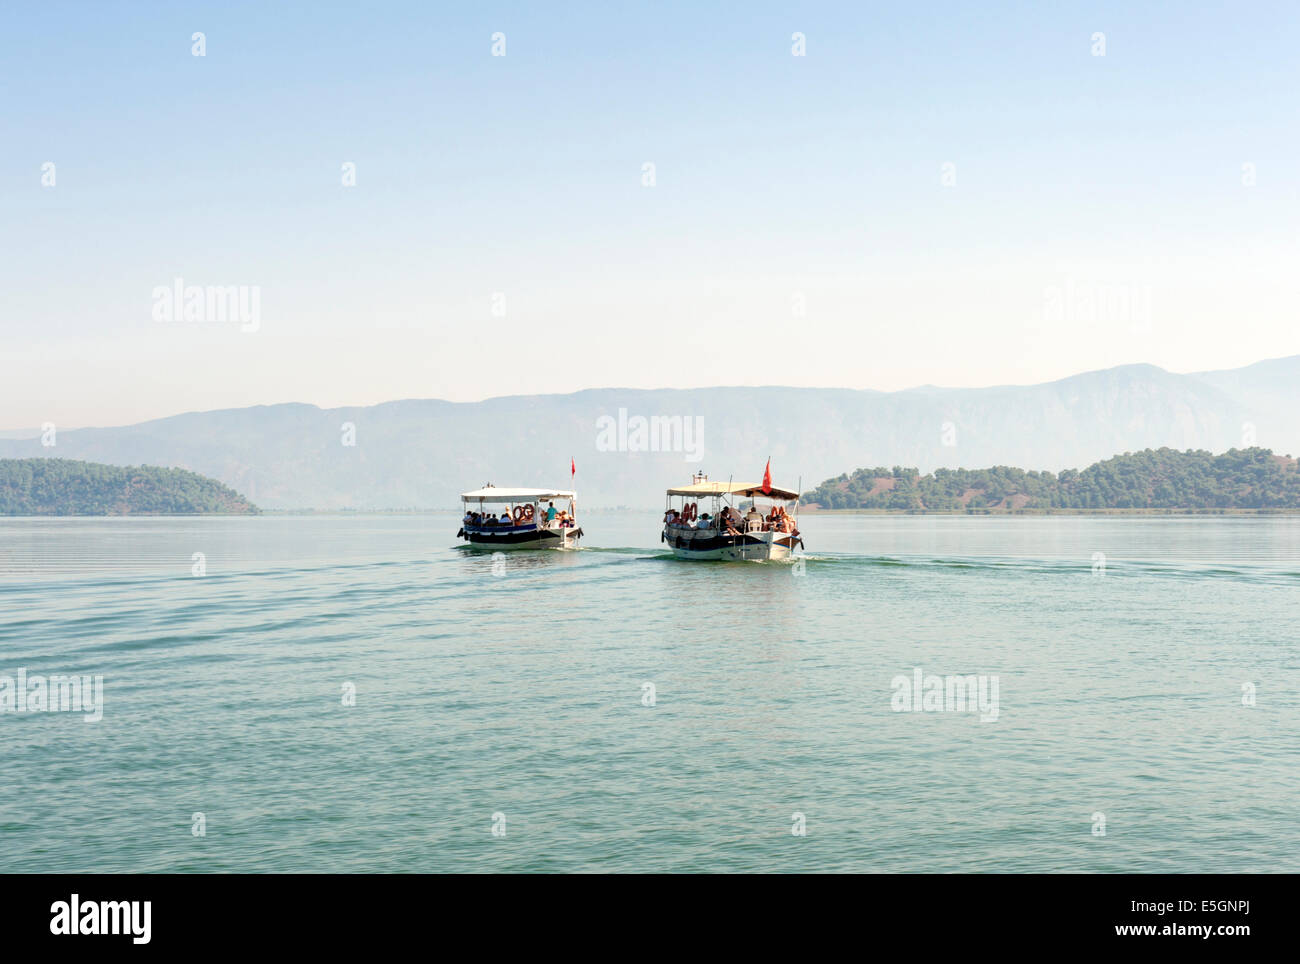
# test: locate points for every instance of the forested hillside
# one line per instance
(1252, 478)
(69, 487)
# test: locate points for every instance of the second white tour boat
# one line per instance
(708, 524)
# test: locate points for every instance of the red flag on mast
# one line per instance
(573, 467)
(767, 477)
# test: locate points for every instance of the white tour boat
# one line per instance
(532, 521)
(707, 525)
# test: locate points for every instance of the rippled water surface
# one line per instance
(1121, 646)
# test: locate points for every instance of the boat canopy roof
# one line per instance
(746, 489)
(493, 494)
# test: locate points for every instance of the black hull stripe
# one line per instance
(724, 542)
(515, 538)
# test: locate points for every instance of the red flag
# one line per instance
(573, 467)
(767, 477)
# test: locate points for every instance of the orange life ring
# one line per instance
(518, 513)
(528, 512)
(689, 514)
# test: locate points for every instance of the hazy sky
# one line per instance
(802, 228)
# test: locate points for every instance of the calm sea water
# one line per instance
(516, 690)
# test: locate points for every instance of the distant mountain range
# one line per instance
(423, 453)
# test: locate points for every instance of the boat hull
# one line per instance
(708, 545)
(520, 537)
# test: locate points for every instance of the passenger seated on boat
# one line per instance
(703, 522)
(504, 520)
(672, 518)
